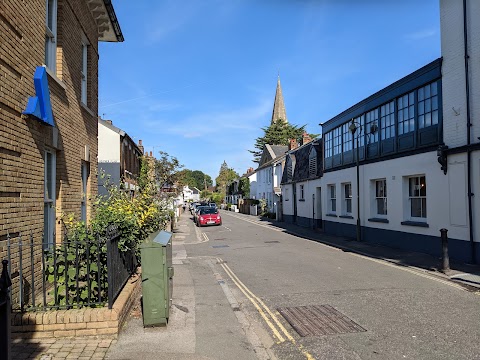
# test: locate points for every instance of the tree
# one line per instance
(195, 178)
(166, 169)
(244, 187)
(224, 176)
(278, 133)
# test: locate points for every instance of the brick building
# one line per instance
(48, 126)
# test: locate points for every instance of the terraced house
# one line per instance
(405, 162)
(48, 120)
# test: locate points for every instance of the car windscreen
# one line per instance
(208, 211)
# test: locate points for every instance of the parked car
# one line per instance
(214, 205)
(208, 216)
(195, 212)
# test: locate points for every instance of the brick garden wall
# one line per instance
(79, 322)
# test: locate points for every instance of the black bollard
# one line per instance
(445, 259)
(5, 330)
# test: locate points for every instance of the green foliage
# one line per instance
(195, 178)
(73, 267)
(225, 176)
(263, 207)
(166, 169)
(217, 198)
(244, 187)
(278, 133)
(85, 248)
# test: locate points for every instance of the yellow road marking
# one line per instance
(256, 301)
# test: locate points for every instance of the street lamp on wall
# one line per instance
(354, 126)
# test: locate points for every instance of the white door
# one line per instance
(49, 199)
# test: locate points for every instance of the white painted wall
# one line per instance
(453, 70)
(265, 186)
(442, 192)
(108, 145)
(287, 199)
(455, 102)
(252, 178)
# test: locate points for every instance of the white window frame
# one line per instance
(49, 197)
(380, 194)
(332, 198)
(347, 198)
(51, 34)
(422, 198)
(84, 72)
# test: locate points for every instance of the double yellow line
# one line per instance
(270, 318)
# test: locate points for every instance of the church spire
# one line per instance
(279, 111)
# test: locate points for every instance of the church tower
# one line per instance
(279, 111)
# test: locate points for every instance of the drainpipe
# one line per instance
(469, 125)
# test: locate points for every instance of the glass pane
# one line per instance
(421, 122)
(349, 206)
(410, 111)
(423, 186)
(334, 205)
(416, 207)
(50, 13)
(424, 208)
(427, 91)
(434, 89)
(435, 117)
(428, 106)
(411, 124)
(411, 98)
(435, 103)
(412, 186)
(400, 102)
(420, 94)
(421, 107)
(381, 209)
(428, 119)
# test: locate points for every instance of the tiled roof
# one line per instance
(301, 170)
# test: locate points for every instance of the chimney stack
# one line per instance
(306, 138)
(293, 144)
(109, 122)
(151, 154)
(140, 146)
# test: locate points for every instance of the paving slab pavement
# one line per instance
(91, 347)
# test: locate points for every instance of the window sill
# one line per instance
(52, 74)
(87, 109)
(331, 215)
(346, 216)
(379, 220)
(415, 223)
(301, 199)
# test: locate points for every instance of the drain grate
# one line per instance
(272, 242)
(219, 246)
(318, 320)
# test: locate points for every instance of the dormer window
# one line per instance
(289, 168)
(312, 162)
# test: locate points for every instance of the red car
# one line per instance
(208, 216)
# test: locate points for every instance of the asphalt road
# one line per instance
(230, 281)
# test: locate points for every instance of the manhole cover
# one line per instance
(219, 246)
(271, 242)
(317, 320)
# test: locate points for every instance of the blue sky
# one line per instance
(197, 79)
